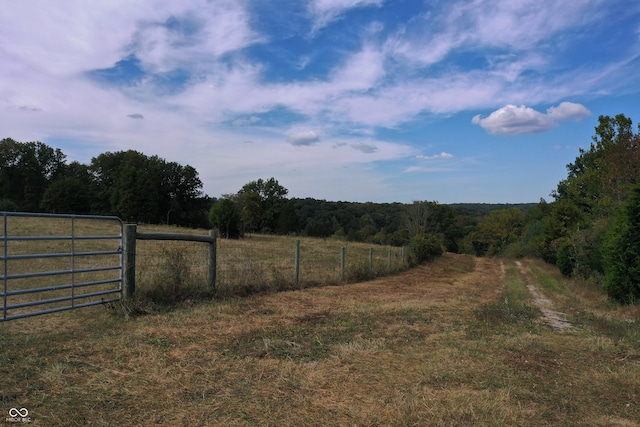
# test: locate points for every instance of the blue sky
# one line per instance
(354, 100)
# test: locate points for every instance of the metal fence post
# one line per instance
(129, 261)
(211, 270)
(342, 262)
(296, 276)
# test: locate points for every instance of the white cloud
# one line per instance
(443, 155)
(303, 138)
(429, 38)
(361, 71)
(412, 169)
(193, 37)
(568, 111)
(513, 120)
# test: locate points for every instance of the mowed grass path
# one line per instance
(456, 342)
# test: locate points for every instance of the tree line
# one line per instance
(140, 188)
(37, 178)
(261, 206)
(591, 230)
(427, 227)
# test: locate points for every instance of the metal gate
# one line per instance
(53, 263)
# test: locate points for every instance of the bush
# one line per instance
(564, 258)
(515, 250)
(8, 205)
(173, 281)
(588, 245)
(622, 254)
(225, 217)
(425, 248)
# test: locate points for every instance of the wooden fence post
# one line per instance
(371, 260)
(129, 261)
(211, 268)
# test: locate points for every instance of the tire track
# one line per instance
(556, 319)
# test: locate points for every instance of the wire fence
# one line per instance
(57, 257)
(257, 263)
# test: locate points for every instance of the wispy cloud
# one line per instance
(250, 121)
(412, 169)
(443, 155)
(497, 24)
(325, 11)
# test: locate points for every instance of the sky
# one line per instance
(476, 101)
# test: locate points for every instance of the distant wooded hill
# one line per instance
(136, 187)
(482, 209)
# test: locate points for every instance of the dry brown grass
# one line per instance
(265, 263)
(168, 272)
(455, 342)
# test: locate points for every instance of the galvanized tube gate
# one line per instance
(48, 266)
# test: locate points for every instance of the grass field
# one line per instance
(262, 263)
(456, 342)
(170, 271)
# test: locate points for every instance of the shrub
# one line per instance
(564, 258)
(622, 253)
(173, 281)
(225, 217)
(588, 250)
(425, 248)
(8, 205)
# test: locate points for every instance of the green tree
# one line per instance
(433, 218)
(136, 196)
(596, 188)
(497, 230)
(141, 188)
(288, 221)
(105, 170)
(622, 253)
(68, 196)
(425, 247)
(180, 191)
(250, 205)
(420, 218)
(564, 218)
(595, 172)
(225, 217)
(261, 203)
(26, 170)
